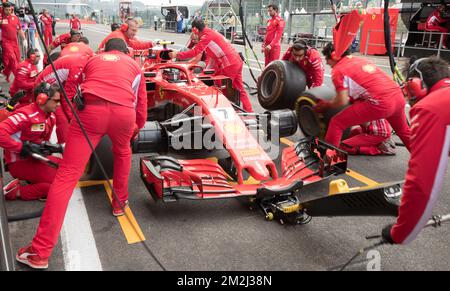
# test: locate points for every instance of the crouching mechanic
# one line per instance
(115, 105)
(226, 59)
(372, 139)
(64, 39)
(25, 77)
(27, 128)
(429, 83)
(378, 96)
(69, 68)
(309, 60)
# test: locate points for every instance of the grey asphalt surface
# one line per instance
(226, 235)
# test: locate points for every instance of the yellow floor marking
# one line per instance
(128, 223)
(89, 184)
(287, 142)
(361, 178)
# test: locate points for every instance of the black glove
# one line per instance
(29, 148)
(386, 235)
(48, 148)
(14, 100)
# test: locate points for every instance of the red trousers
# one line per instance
(99, 118)
(11, 57)
(234, 72)
(440, 29)
(360, 143)
(38, 174)
(273, 55)
(391, 108)
(62, 125)
(48, 35)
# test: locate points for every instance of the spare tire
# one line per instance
(280, 85)
(311, 123)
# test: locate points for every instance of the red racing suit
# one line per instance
(77, 48)
(380, 96)
(275, 28)
(434, 23)
(10, 26)
(48, 28)
(61, 40)
(116, 105)
(75, 23)
(430, 145)
(311, 64)
(69, 69)
(134, 43)
(31, 124)
(365, 139)
(25, 78)
(226, 60)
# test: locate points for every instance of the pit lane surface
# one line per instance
(226, 235)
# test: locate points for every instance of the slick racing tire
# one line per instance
(104, 152)
(280, 84)
(314, 124)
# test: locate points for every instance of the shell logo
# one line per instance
(110, 58)
(369, 69)
(74, 49)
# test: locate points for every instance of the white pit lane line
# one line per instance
(78, 244)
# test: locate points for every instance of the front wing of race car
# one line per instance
(308, 161)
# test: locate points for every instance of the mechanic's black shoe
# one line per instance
(387, 148)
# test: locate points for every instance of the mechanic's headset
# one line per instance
(124, 26)
(44, 95)
(301, 44)
(415, 86)
(31, 55)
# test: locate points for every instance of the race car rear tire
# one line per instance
(280, 85)
(104, 152)
(311, 123)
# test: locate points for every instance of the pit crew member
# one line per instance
(10, 28)
(436, 22)
(64, 39)
(379, 97)
(25, 77)
(272, 41)
(47, 21)
(227, 61)
(429, 84)
(127, 32)
(75, 23)
(116, 105)
(20, 133)
(69, 68)
(372, 139)
(309, 60)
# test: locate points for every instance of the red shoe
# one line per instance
(11, 190)
(119, 211)
(28, 257)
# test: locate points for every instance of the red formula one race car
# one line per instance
(202, 114)
(192, 110)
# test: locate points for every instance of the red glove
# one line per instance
(322, 106)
